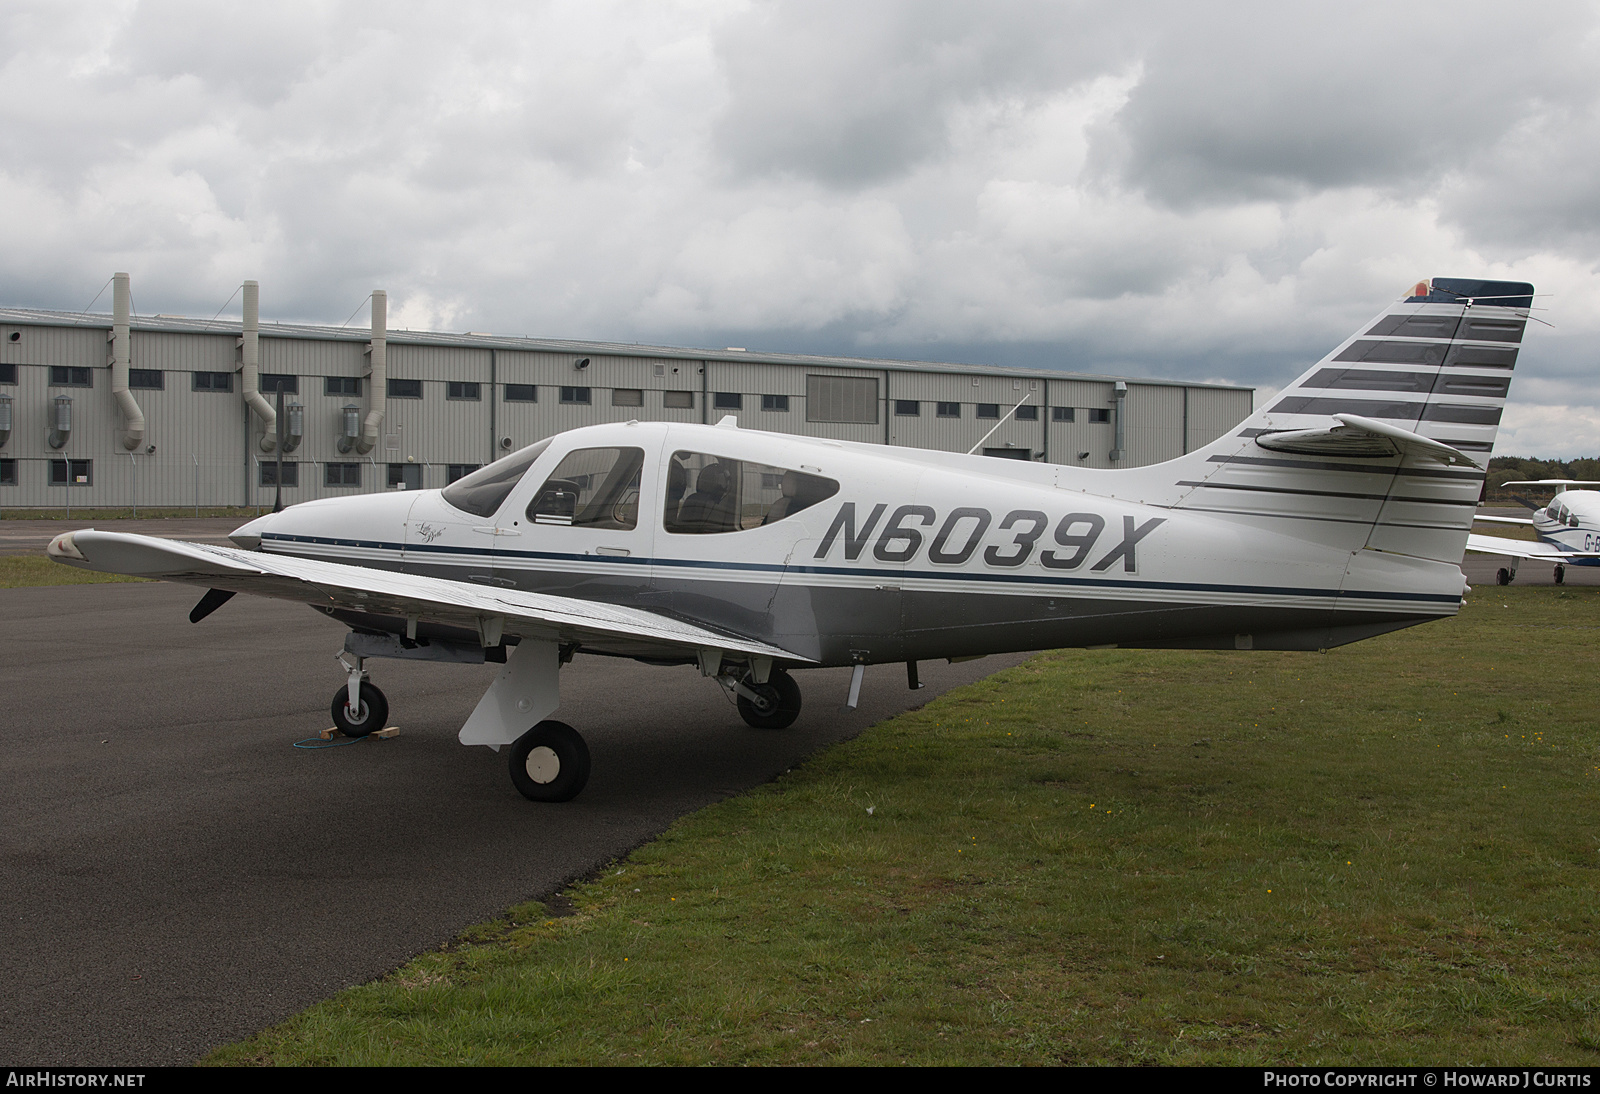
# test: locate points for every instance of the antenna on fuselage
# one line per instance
(1003, 419)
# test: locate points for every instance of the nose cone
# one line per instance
(364, 517)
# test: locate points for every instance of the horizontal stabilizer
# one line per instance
(1524, 548)
(1358, 436)
(492, 612)
(1553, 482)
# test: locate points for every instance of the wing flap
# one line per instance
(436, 600)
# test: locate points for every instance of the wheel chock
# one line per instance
(382, 734)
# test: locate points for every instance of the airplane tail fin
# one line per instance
(1383, 444)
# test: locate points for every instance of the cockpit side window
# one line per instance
(484, 491)
(708, 494)
(592, 487)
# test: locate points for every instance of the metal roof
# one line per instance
(232, 326)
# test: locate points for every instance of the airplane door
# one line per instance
(583, 530)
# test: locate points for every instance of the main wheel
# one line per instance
(549, 763)
(1504, 576)
(370, 718)
(1561, 574)
(781, 704)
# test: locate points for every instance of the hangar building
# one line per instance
(119, 410)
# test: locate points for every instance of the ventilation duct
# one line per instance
(5, 419)
(1120, 396)
(378, 374)
(294, 426)
(61, 422)
(132, 417)
(349, 427)
(250, 368)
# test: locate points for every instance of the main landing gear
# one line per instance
(773, 705)
(1561, 573)
(1506, 576)
(549, 763)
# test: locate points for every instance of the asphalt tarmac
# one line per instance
(176, 875)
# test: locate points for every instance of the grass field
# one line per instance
(1382, 854)
(25, 571)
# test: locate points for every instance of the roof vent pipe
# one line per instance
(378, 374)
(250, 357)
(132, 416)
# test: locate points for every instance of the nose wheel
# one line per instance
(369, 715)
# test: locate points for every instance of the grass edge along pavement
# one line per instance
(1381, 855)
(33, 571)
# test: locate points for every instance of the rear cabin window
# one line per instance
(592, 488)
(708, 494)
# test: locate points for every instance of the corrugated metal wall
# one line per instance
(206, 445)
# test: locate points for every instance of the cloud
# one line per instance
(1159, 189)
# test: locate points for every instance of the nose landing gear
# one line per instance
(359, 708)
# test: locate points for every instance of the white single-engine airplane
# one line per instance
(1338, 512)
(1568, 530)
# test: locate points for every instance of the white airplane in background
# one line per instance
(1338, 512)
(1568, 530)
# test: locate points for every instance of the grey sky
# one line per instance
(1201, 191)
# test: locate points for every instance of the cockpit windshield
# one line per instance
(484, 491)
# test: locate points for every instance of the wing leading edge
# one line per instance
(492, 613)
(1524, 548)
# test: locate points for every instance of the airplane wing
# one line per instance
(491, 612)
(1524, 548)
(1502, 520)
(1358, 436)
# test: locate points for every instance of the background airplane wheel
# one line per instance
(370, 718)
(784, 693)
(1561, 574)
(549, 763)
(1504, 576)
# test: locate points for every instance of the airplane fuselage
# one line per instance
(913, 555)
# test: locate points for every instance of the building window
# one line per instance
(949, 410)
(627, 396)
(405, 389)
(459, 471)
(213, 381)
(842, 399)
(577, 395)
(71, 472)
(405, 476)
(342, 474)
(1061, 414)
(778, 403)
(727, 400)
(148, 378)
(988, 410)
(269, 473)
(69, 376)
(907, 408)
(678, 400)
(8, 374)
(462, 389)
(521, 393)
(1099, 415)
(8, 472)
(1027, 413)
(272, 381)
(342, 385)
